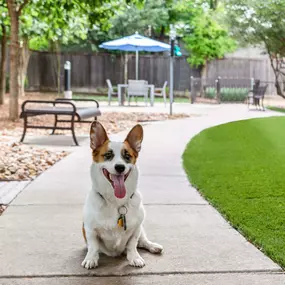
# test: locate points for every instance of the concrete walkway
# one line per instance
(40, 233)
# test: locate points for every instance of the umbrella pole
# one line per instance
(137, 64)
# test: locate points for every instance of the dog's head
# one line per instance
(115, 161)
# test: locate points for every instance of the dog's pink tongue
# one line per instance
(119, 186)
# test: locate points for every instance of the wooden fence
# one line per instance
(90, 71)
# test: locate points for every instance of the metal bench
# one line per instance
(59, 107)
(256, 96)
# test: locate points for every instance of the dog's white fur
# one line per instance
(100, 215)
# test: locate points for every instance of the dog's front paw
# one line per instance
(136, 261)
(90, 261)
(155, 248)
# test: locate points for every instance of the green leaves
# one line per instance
(4, 15)
(261, 23)
(255, 22)
(53, 20)
(205, 38)
(138, 17)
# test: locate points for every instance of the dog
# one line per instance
(113, 213)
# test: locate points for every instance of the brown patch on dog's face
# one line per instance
(128, 154)
(102, 153)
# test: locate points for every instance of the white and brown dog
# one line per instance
(113, 211)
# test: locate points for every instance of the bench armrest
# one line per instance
(44, 102)
(79, 100)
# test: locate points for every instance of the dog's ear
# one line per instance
(98, 135)
(135, 137)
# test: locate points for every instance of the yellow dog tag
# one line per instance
(122, 218)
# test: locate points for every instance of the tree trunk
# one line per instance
(3, 65)
(277, 73)
(24, 58)
(162, 33)
(14, 60)
(58, 59)
(54, 47)
(204, 75)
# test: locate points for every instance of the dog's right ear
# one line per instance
(98, 135)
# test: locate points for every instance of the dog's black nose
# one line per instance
(120, 168)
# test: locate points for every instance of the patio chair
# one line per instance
(111, 91)
(256, 96)
(161, 92)
(137, 88)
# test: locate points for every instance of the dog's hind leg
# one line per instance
(145, 243)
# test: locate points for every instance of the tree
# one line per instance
(139, 17)
(204, 36)
(49, 24)
(52, 21)
(15, 9)
(261, 23)
(4, 23)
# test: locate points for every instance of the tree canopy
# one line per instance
(202, 29)
(261, 23)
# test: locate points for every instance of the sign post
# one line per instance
(172, 41)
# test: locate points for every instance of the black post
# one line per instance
(172, 47)
(171, 74)
(67, 80)
(219, 90)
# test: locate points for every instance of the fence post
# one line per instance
(192, 89)
(251, 83)
(218, 86)
(67, 80)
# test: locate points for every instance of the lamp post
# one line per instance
(67, 80)
(172, 36)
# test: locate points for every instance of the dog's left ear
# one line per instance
(98, 135)
(135, 137)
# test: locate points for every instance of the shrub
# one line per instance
(228, 94)
(210, 93)
(233, 94)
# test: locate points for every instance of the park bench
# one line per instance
(256, 96)
(59, 107)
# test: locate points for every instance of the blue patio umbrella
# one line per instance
(136, 43)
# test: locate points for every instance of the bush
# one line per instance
(228, 94)
(233, 94)
(210, 93)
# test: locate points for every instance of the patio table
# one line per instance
(120, 86)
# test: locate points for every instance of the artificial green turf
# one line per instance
(278, 109)
(240, 168)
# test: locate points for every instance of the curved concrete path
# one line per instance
(40, 233)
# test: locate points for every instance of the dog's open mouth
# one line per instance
(118, 182)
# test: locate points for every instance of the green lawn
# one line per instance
(240, 168)
(282, 110)
(140, 99)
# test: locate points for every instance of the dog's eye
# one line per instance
(127, 157)
(108, 155)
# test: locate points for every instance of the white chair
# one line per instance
(137, 88)
(161, 92)
(111, 91)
